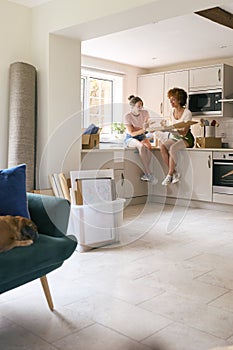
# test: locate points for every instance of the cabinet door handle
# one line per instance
(122, 179)
(219, 75)
(161, 108)
(209, 162)
(222, 163)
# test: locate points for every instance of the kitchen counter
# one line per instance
(205, 149)
(211, 149)
(105, 147)
(196, 165)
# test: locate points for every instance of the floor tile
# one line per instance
(16, 337)
(167, 286)
(36, 317)
(192, 313)
(181, 337)
(98, 337)
(4, 322)
(224, 302)
(122, 316)
(221, 277)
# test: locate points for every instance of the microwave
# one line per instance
(205, 102)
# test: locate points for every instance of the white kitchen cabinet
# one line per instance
(204, 78)
(153, 88)
(195, 168)
(178, 79)
(181, 189)
(127, 167)
(150, 88)
(106, 160)
(201, 162)
(119, 177)
(159, 171)
(217, 77)
(134, 186)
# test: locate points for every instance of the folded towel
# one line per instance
(92, 129)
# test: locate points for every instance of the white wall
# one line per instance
(47, 19)
(89, 18)
(61, 150)
(15, 29)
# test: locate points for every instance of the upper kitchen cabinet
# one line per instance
(178, 79)
(150, 88)
(153, 88)
(204, 82)
(211, 77)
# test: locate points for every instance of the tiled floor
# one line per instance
(168, 286)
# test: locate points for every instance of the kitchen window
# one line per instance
(101, 98)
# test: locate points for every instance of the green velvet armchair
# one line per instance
(24, 264)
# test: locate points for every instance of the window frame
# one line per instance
(116, 80)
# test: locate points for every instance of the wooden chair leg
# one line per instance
(45, 286)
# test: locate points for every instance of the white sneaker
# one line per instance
(175, 178)
(167, 180)
(145, 177)
(153, 179)
(149, 178)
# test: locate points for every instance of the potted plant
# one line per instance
(118, 129)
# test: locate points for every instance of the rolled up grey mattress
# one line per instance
(22, 119)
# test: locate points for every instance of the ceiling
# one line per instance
(167, 42)
(30, 3)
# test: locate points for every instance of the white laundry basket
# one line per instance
(96, 225)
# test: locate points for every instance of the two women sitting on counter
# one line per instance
(137, 121)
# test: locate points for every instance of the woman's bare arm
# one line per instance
(131, 130)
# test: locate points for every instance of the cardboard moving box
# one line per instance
(208, 142)
(90, 140)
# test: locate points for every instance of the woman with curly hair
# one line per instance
(180, 139)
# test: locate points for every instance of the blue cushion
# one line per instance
(13, 196)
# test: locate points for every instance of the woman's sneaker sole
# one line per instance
(167, 180)
(176, 178)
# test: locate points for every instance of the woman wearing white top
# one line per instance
(181, 139)
(136, 121)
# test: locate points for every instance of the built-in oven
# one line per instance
(223, 172)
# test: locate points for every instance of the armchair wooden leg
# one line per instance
(45, 286)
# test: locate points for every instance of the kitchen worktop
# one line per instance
(211, 149)
(106, 147)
